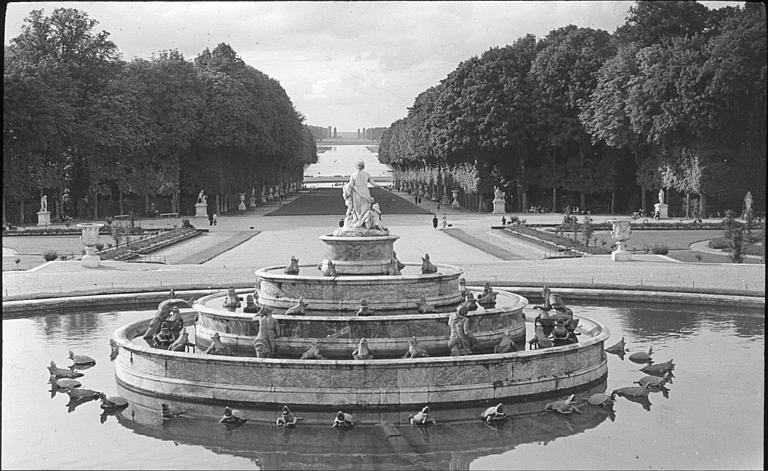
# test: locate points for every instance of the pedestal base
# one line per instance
(241, 206)
(662, 209)
(498, 206)
(44, 218)
(252, 202)
(621, 255)
(90, 259)
(201, 210)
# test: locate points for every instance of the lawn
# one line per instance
(690, 256)
(674, 240)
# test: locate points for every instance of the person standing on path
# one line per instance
(215, 219)
(210, 219)
(434, 221)
(445, 221)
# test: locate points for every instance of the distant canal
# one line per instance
(340, 161)
(713, 417)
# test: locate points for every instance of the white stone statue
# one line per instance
(661, 196)
(376, 218)
(201, 198)
(44, 203)
(497, 193)
(356, 195)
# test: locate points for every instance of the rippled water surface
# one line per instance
(712, 417)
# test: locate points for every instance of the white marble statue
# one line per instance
(44, 203)
(497, 193)
(356, 195)
(661, 196)
(201, 198)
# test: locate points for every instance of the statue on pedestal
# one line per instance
(202, 198)
(44, 203)
(661, 196)
(363, 214)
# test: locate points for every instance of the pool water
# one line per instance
(711, 419)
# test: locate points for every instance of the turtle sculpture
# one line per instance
(57, 372)
(423, 306)
(659, 369)
(632, 391)
(656, 381)
(169, 412)
(506, 344)
(415, 350)
(494, 414)
(565, 406)
(81, 359)
(180, 344)
(67, 383)
(343, 420)
(313, 352)
(642, 357)
(299, 308)
(617, 348)
(231, 417)
(293, 267)
(362, 352)
(112, 403)
(599, 399)
(422, 417)
(81, 394)
(427, 266)
(286, 418)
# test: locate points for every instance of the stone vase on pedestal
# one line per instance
(455, 203)
(621, 232)
(241, 206)
(43, 218)
(89, 238)
(201, 210)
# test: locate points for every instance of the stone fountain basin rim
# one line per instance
(121, 337)
(267, 272)
(198, 305)
(331, 237)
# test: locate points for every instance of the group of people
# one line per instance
(435, 221)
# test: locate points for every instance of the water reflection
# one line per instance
(381, 439)
(719, 357)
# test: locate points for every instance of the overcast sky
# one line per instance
(344, 64)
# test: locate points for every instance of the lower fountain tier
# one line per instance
(389, 383)
(343, 293)
(338, 336)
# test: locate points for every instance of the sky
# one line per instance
(344, 64)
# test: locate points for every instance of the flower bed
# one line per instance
(148, 244)
(555, 241)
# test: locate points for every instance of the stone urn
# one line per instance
(241, 206)
(89, 238)
(621, 232)
(455, 203)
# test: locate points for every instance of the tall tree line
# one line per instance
(81, 125)
(675, 98)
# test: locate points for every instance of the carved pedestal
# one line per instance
(498, 206)
(662, 209)
(201, 210)
(44, 218)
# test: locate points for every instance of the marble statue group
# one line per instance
(362, 211)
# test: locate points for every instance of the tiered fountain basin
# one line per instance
(376, 383)
(342, 294)
(338, 335)
(360, 255)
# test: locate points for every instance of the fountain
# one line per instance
(368, 273)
